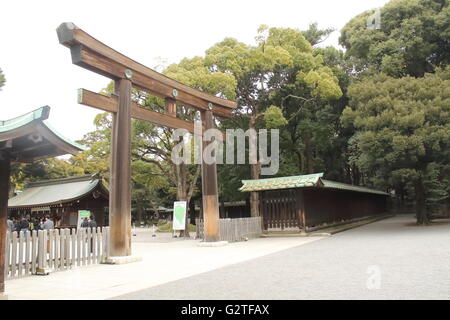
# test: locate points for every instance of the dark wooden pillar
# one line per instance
(262, 208)
(5, 170)
(222, 213)
(101, 217)
(209, 188)
(120, 180)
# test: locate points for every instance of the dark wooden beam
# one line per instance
(19, 132)
(109, 104)
(5, 170)
(93, 55)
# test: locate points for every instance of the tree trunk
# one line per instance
(255, 170)
(309, 153)
(356, 175)
(421, 212)
(254, 196)
(155, 209)
(182, 193)
(139, 215)
(191, 210)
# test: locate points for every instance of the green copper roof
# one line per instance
(15, 123)
(30, 137)
(63, 138)
(304, 181)
(53, 192)
(309, 180)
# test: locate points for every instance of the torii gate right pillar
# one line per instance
(209, 188)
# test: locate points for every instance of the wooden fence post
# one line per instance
(33, 255)
(14, 254)
(20, 259)
(7, 255)
(73, 239)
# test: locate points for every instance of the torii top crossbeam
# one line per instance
(92, 54)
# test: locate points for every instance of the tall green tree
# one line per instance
(402, 138)
(412, 38)
(311, 139)
(155, 144)
(281, 57)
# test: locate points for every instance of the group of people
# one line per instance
(24, 224)
(45, 223)
(89, 223)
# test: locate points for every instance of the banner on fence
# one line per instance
(179, 215)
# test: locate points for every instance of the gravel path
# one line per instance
(388, 259)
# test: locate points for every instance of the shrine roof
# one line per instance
(31, 137)
(57, 191)
(304, 181)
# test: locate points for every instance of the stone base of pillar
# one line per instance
(122, 260)
(212, 244)
(3, 296)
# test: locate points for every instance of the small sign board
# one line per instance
(179, 215)
(81, 215)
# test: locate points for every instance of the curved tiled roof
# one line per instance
(303, 181)
(53, 192)
(30, 137)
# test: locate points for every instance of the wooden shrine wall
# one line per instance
(281, 208)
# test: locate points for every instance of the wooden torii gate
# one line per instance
(91, 54)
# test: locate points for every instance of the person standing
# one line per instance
(23, 225)
(10, 224)
(48, 224)
(85, 223)
(92, 223)
(16, 222)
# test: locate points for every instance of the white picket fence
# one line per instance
(231, 230)
(37, 252)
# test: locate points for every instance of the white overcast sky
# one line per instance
(39, 70)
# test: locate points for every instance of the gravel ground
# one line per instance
(388, 259)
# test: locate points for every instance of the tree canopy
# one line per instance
(412, 38)
(402, 135)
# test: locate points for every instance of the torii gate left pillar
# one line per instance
(120, 175)
(93, 55)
